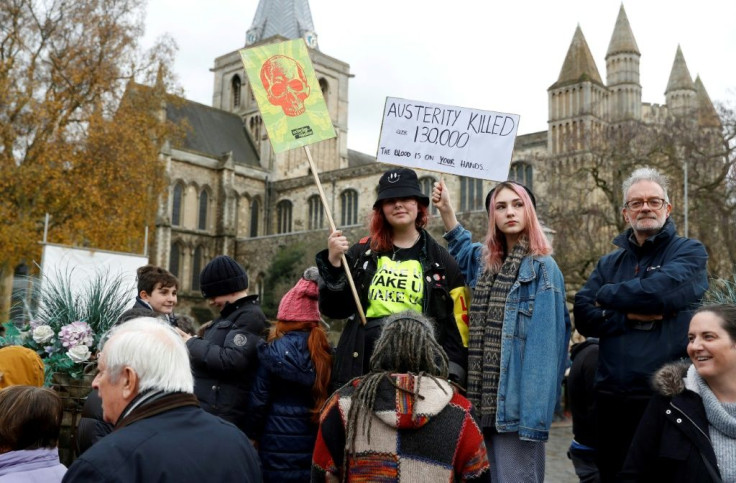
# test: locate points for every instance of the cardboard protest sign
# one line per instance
(288, 94)
(456, 140)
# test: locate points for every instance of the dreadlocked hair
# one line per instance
(319, 351)
(406, 346)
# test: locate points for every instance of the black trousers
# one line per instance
(617, 418)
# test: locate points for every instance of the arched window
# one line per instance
(324, 87)
(316, 213)
(196, 267)
(176, 204)
(427, 183)
(348, 207)
(175, 259)
(260, 285)
(255, 124)
(203, 206)
(255, 207)
(236, 85)
(522, 172)
(471, 194)
(283, 211)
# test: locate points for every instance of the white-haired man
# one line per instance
(638, 301)
(161, 433)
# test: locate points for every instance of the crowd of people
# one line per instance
(454, 375)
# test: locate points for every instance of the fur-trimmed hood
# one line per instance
(670, 379)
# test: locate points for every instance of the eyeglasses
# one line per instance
(653, 203)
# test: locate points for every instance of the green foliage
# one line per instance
(721, 291)
(66, 325)
(284, 271)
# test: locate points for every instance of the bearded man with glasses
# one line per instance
(638, 301)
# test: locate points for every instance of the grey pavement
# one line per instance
(558, 468)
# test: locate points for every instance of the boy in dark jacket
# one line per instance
(157, 292)
(224, 360)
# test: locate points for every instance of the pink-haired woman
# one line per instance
(519, 328)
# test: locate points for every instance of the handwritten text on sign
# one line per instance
(457, 140)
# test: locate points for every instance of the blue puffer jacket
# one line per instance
(280, 405)
(666, 276)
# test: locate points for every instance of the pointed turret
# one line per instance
(576, 100)
(680, 76)
(291, 19)
(622, 40)
(707, 114)
(680, 94)
(579, 65)
(622, 71)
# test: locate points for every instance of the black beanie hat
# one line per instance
(400, 183)
(222, 276)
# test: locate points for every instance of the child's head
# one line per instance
(223, 280)
(300, 304)
(158, 287)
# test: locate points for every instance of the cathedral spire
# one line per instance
(579, 64)
(622, 40)
(291, 19)
(622, 72)
(680, 78)
(707, 114)
(681, 96)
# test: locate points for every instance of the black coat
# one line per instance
(181, 445)
(225, 360)
(442, 277)
(580, 383)
(91, 426)
(672, 442)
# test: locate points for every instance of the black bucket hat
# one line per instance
(490, 193)
(400, 183)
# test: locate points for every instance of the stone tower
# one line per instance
(622, 72)
(276, 21)
(577, 101)
(681, 96)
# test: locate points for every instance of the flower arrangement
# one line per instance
(67, 319)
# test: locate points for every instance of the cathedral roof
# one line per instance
(213, 132)
(579, 65)
(680, 76)
(622, 40)
(707, 114)
(356, 158)
(291, 19)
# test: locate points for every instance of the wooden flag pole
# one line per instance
(332, 225)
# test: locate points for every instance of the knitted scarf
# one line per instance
(721, 424)
(486, 324)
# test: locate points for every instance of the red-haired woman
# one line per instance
(398, 267)
(291, 385)
(519, 328)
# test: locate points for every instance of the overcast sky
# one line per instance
(484, 54)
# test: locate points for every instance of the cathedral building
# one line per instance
(231, 194)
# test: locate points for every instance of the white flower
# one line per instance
(79, 353)
(43, 334)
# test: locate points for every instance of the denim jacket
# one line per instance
(535, 334)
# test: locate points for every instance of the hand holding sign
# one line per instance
(441, 200)
(292, 107)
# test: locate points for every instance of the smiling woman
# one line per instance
(689, 430)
